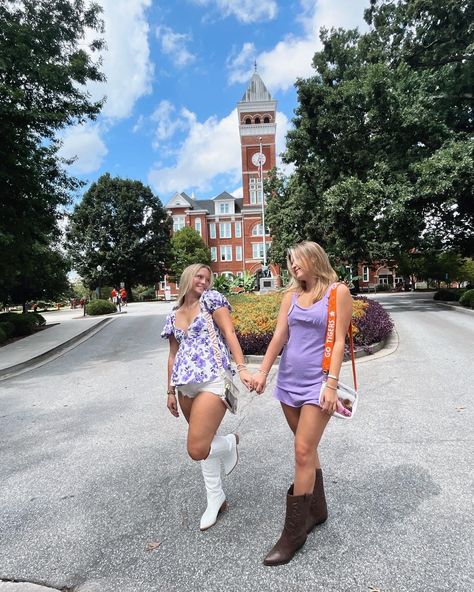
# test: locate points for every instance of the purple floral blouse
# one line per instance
(195, 360)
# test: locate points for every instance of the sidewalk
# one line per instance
(51, 342)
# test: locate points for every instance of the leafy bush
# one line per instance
(255, 320)
(383, 288)
(3, 335)
(39, 319)
(222, 284)
(8, 327)
(100, 307)
(467, 299)
(374, 325)
(24, 324)
(447, 295)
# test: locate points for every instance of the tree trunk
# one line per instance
(128, 287)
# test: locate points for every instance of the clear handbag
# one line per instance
(347, 397)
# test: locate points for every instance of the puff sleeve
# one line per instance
(212, 300)
(169, 326)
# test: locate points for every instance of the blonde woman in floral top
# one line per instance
(194, 373)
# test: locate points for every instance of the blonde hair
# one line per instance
(315, 261)
(186, 279)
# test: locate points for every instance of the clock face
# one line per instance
(258, 158)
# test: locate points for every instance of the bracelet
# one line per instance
(263, 372)
(171, 393)
(333, 377)
(333, 388)
(242, 368)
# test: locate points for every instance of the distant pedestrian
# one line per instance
(301, 333)
(123, 296)
(113, 295)
(194, 372)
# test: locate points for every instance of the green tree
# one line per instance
(382, 142)
(187, 247)
(44, 65)
(122, 227)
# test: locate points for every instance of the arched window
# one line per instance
(257, 120)
(266, 120)
(248, 121)
(257, 230)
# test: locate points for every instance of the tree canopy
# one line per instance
(122, 227)
(44, 65)
(382, 141)
(187, 247)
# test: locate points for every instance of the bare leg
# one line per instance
(292, 415)
(207, 412)
(311, 425)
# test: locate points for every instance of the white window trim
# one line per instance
(212, 230)
(228, 227)
(213, 253)
(238, 233)
(238, 253)
(366, 273)
(225, 249)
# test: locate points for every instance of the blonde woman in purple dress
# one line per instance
(301, 333)
(195, 377)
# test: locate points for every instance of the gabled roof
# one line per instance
(256, 90)
(224, 195)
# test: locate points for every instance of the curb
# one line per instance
(54, 352)
(388, 342)
(13, 586)
(457, 307)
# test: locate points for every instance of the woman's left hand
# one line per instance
(329, 401)
(247, 379)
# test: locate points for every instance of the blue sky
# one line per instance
(175, 71)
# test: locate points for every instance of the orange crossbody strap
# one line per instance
(331, 334)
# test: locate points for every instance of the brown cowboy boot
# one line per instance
(318, 510)
(293, 536)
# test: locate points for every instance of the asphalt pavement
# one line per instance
(99, 496)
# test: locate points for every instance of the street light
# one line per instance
(97, 292)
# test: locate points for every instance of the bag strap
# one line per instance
(213, 335)
(330, 335)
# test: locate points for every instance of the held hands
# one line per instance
(259, 382)
(246, 378)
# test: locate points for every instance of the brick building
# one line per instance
(233, 227)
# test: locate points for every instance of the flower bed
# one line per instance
(255, 320)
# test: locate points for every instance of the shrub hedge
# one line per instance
(448, 295)
(467, 299)
(3, 335)
(24, 324)
(100, 307)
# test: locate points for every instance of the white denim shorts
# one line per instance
(192, 389)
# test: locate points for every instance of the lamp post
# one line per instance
(261, 162)
(97, 293)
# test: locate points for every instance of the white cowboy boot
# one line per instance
(216, 503)
(225, 447)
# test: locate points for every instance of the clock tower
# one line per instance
(257, 128)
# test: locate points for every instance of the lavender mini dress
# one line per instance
(300, 372)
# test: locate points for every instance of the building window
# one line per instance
(240, 274)
(224, 208)
(399, 280)
(238, 230)
(228, 274)
(257, 250)
(383, 281)
(257, 120)
(215, 274)
(178, 223)
(213, 253)
(226, 253)
(266, 120)
(212, 230)
(257, 230)
(365, 273)
(197, 226)
(255, 190)
(349, 272)
(248, 121)
(238, 253)
(225, 230)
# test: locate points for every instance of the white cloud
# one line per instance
(246, 11)
(168, 123)
(126, 62)
(210, 150)
(83, 142)
(292, 57)
(174, 45)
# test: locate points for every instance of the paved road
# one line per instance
(93, 469)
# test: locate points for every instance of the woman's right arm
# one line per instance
(172, 404)
(280, 337)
